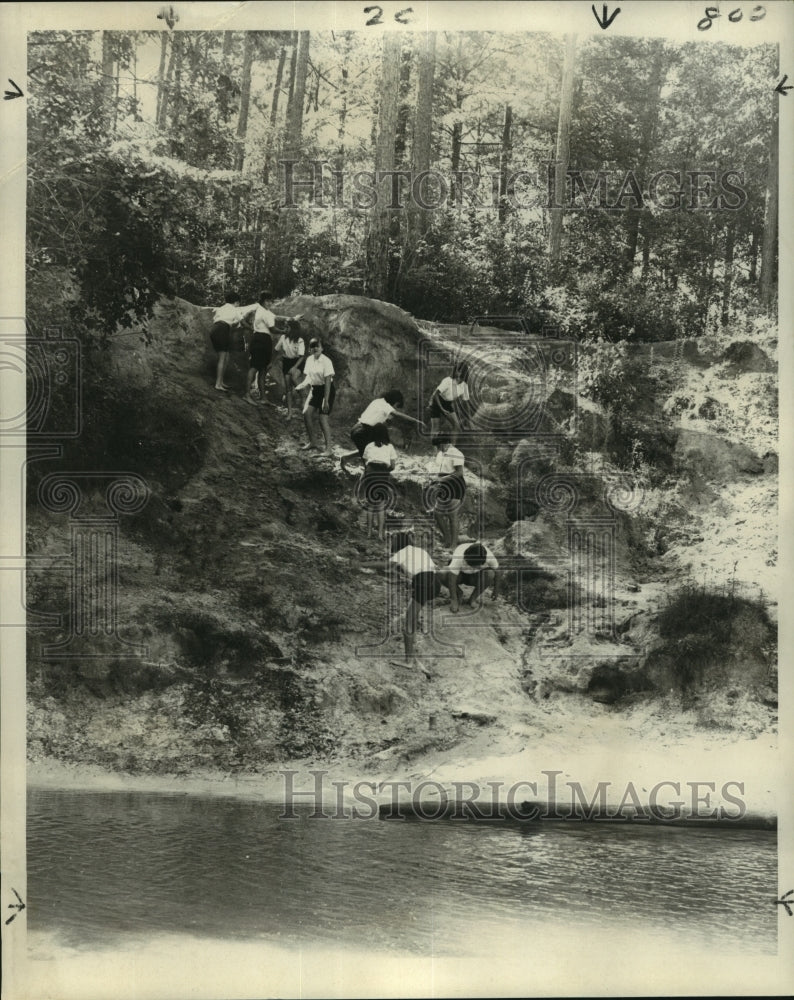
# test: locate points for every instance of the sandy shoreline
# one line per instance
(736, 783)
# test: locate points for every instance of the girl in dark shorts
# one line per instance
(293, 357)
(447, 491)
(416, 566)
(446, 401)
(318, 373)
(376, 489)
(380, 410)
(226, 316)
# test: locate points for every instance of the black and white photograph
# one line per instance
(392, 416)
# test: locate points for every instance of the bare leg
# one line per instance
(409, 632)
(382, 525)
(325, 426)
(455, 428)
(310, 420)
(252, 372)
(223, 357)
(453, 529)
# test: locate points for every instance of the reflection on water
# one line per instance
(102, 866)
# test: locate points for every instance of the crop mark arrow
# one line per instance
(9, 94)
(785, 901)
(605, 20)
(19, 907)
(781, 89)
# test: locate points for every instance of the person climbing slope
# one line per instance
(293, 357)
(416, 567)
(318, 374)
(260, 352)
(473, 565)
(448, 489)
(376, 488)
(386, 407)
(224, 318)
(446, 412)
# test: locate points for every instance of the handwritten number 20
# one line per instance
(712, 13)
(376, 18)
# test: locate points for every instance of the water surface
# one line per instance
(106, 867)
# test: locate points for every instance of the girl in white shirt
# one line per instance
(447, 492)
(416, 567)
(380, 410)
(318, 373)
(376, 491)
(445, 403)
(293, 356)
(223, 318)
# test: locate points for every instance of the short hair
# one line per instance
(380, 434)
(400, 540)
(475, 555)
(441, 439)
(231, 297)
(461, 371)
(294, 328)
(394, 398)
(315, 341)
(265, 294)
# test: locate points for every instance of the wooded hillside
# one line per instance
(185, 162)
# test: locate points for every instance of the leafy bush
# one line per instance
(707, 633)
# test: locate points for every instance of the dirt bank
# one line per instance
(250, 634)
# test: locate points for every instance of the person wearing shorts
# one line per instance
(293, 357)
(260, 352)
(377, 486)
(445, 403)
(379, 411)
(446, 470)
(416, 566)
(223, 319)
(473, 565)
(318, 375)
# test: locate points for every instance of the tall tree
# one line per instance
(378, 240)
(562, 150)
(245, 100)
(161, 74)
(270, 137)
(504, 160)
(300, 68)
(648, 126)
(769, 240)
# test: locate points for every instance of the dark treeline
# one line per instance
(157, 165)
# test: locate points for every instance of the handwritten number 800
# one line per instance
(376, 18)
(712, 13)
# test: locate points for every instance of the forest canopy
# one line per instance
(615, 187)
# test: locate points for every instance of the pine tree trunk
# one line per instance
(378, 237)
(245, 100)
(769, 242)
(271, 134)
(650, 121)
(161, 76)
(298, 73)
(507, 145)
(404, 110)
(176, 106)
(730, 239)
(646, 248)
(562, 151)
(162, 117)
(753, 275)
(109, 80)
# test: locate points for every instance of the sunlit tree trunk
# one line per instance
(562, 151)
(378, 238)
